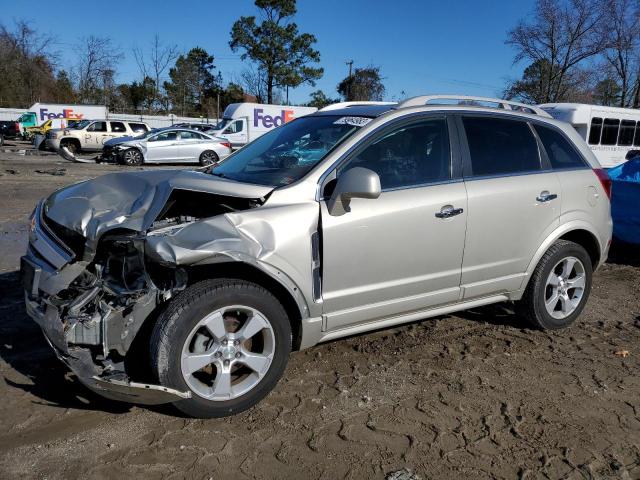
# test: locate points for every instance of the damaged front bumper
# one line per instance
(84, 341)
(114, 386)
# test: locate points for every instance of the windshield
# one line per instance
(81, 124)
(222, 123)
(286, 154)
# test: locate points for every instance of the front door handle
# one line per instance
(448, 211)
(545, 196)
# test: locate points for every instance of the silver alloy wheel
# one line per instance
(131, 157)
(228, 353)
(565, 287)
(208, 158)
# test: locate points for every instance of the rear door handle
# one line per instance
(545, 196)
(448, 211)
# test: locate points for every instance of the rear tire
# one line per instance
(200, 344)
(208, 157)
(559, 287)
(132, 157)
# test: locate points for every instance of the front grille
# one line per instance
(68, 238)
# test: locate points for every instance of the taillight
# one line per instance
(17, 127)
(225, 144)
(604, 180)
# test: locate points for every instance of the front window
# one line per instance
(81, 124)
(222, 123)
(288, 153)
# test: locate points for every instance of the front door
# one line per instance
(163, 147)
(236, 132)
(402, 251)
(514, 203)
(95, 136)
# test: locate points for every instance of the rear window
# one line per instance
(190, 136)
(561, 153)
(138, 127)
(118, 127)
(501, 146)
(98, 127)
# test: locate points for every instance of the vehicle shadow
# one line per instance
(24, 348)
(498, 314)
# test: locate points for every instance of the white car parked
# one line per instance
(169, 145)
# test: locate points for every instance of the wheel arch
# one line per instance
(71, 140)
(295, 307)
(579, 232)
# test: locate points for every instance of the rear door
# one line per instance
(400, 252)
(163, 147)
(514, 201)
(190, 146)
(117, 129)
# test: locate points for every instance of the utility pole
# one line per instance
(350, 63)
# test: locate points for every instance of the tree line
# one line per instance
(278, 55)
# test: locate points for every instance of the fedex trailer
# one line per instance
(244, 122)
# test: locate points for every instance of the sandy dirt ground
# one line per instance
(472, 395)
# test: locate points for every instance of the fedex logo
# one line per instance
(269, 121)
(66, 113)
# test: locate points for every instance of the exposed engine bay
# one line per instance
(95, 284)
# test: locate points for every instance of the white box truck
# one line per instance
(244, 122)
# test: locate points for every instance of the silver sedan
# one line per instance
(171, 145)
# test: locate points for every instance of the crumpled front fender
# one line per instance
(276, 240)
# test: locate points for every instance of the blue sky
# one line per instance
(421, 46)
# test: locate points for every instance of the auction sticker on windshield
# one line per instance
(355, 121)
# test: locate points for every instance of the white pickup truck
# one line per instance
(91, 135)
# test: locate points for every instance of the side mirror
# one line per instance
(357, 182)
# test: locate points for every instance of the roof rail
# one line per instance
(336, 106)
(500, 103)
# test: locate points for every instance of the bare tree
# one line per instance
(621, 30)
(561, 34)
(154, 64)
(254, 83)
(27, 63)
(97, 59)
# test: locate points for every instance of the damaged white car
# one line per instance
(193, 287)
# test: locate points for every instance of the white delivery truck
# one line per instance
(244, 122)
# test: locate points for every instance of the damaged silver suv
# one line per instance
(192, 287)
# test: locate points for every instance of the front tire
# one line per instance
(559, 287)
(226, 341)
(132, 157)
(70, 145)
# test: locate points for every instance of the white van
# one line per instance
(244, 122)
(613, 134)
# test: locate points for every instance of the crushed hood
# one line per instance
(133, 200)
